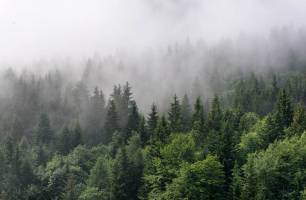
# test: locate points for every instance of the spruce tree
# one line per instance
(133, 120)
(198, 116)
(44, 134)
(143, 132)
(298, 125)
(162, 131)
(186, 114)
(65, 141)
(77, 135)
(283, 112)
(175, 117)
(215, 115)
(152, 120)
(120, 176)
(111, 124)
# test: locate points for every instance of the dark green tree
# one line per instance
(283, 110)
(186, 114)
(44, 134)
(298, 125)
(65, 140)
(111, 124)
(162, 131)
(133, 120)
(143, 132)
(152, 120)
(77, 135)
(175, 117)
(120, 176)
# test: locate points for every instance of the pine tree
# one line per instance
(198, 116)
(95, 117)
(100, 176)
(133, 120)
(124, 106)
(143, 132)
(44, 134)
(77, 135)
(162, 131)
(298, 125)
(175, 118)
(111, 124)
(283, 112)
(186, 113)
(215, 115)
(152, 120)
(236, 186)
(120, 176)
(64, 142)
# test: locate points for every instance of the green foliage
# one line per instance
(111, 123)
(298, 125)
(44, 134)
(186, 114)
(200, 180)
(282, 165)
(92, 193)
(175, 116)
(100, 176)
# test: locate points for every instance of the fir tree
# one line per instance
(143, 132)
(215, 115)
(152, 120)
(283, 112)
(111, 123)
(44, 134)
(186, 113)
(120, 175)
(175, 118)
(133, 120)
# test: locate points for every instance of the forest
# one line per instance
(153, 100)
(242, 139)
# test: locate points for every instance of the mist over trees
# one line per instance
(152, 100)
(220, 131)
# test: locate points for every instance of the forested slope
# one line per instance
(60, 141)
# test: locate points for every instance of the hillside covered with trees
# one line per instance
(247, 141)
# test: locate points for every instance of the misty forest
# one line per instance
(182, 119)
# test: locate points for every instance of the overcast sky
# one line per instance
(34, 29)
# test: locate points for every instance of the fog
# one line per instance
(160, 47)
(77, 29)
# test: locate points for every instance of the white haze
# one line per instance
(160, 46)
(53, 29)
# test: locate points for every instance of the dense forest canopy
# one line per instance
(239, 135)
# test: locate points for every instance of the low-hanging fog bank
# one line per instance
(190, 67)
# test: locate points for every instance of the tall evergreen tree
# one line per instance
(133, 120)
(152, 120)
(95, 117)
(215, 115)
(120, 176)
(198, 116)
(65, 141)
(186, 113)
(175, 117)
(111, 124)
(283, 112)
(162, 131)
(298, 125)
(143, 132)
(44, 134)
(77, 135)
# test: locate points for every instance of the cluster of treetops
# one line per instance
(247, 143)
